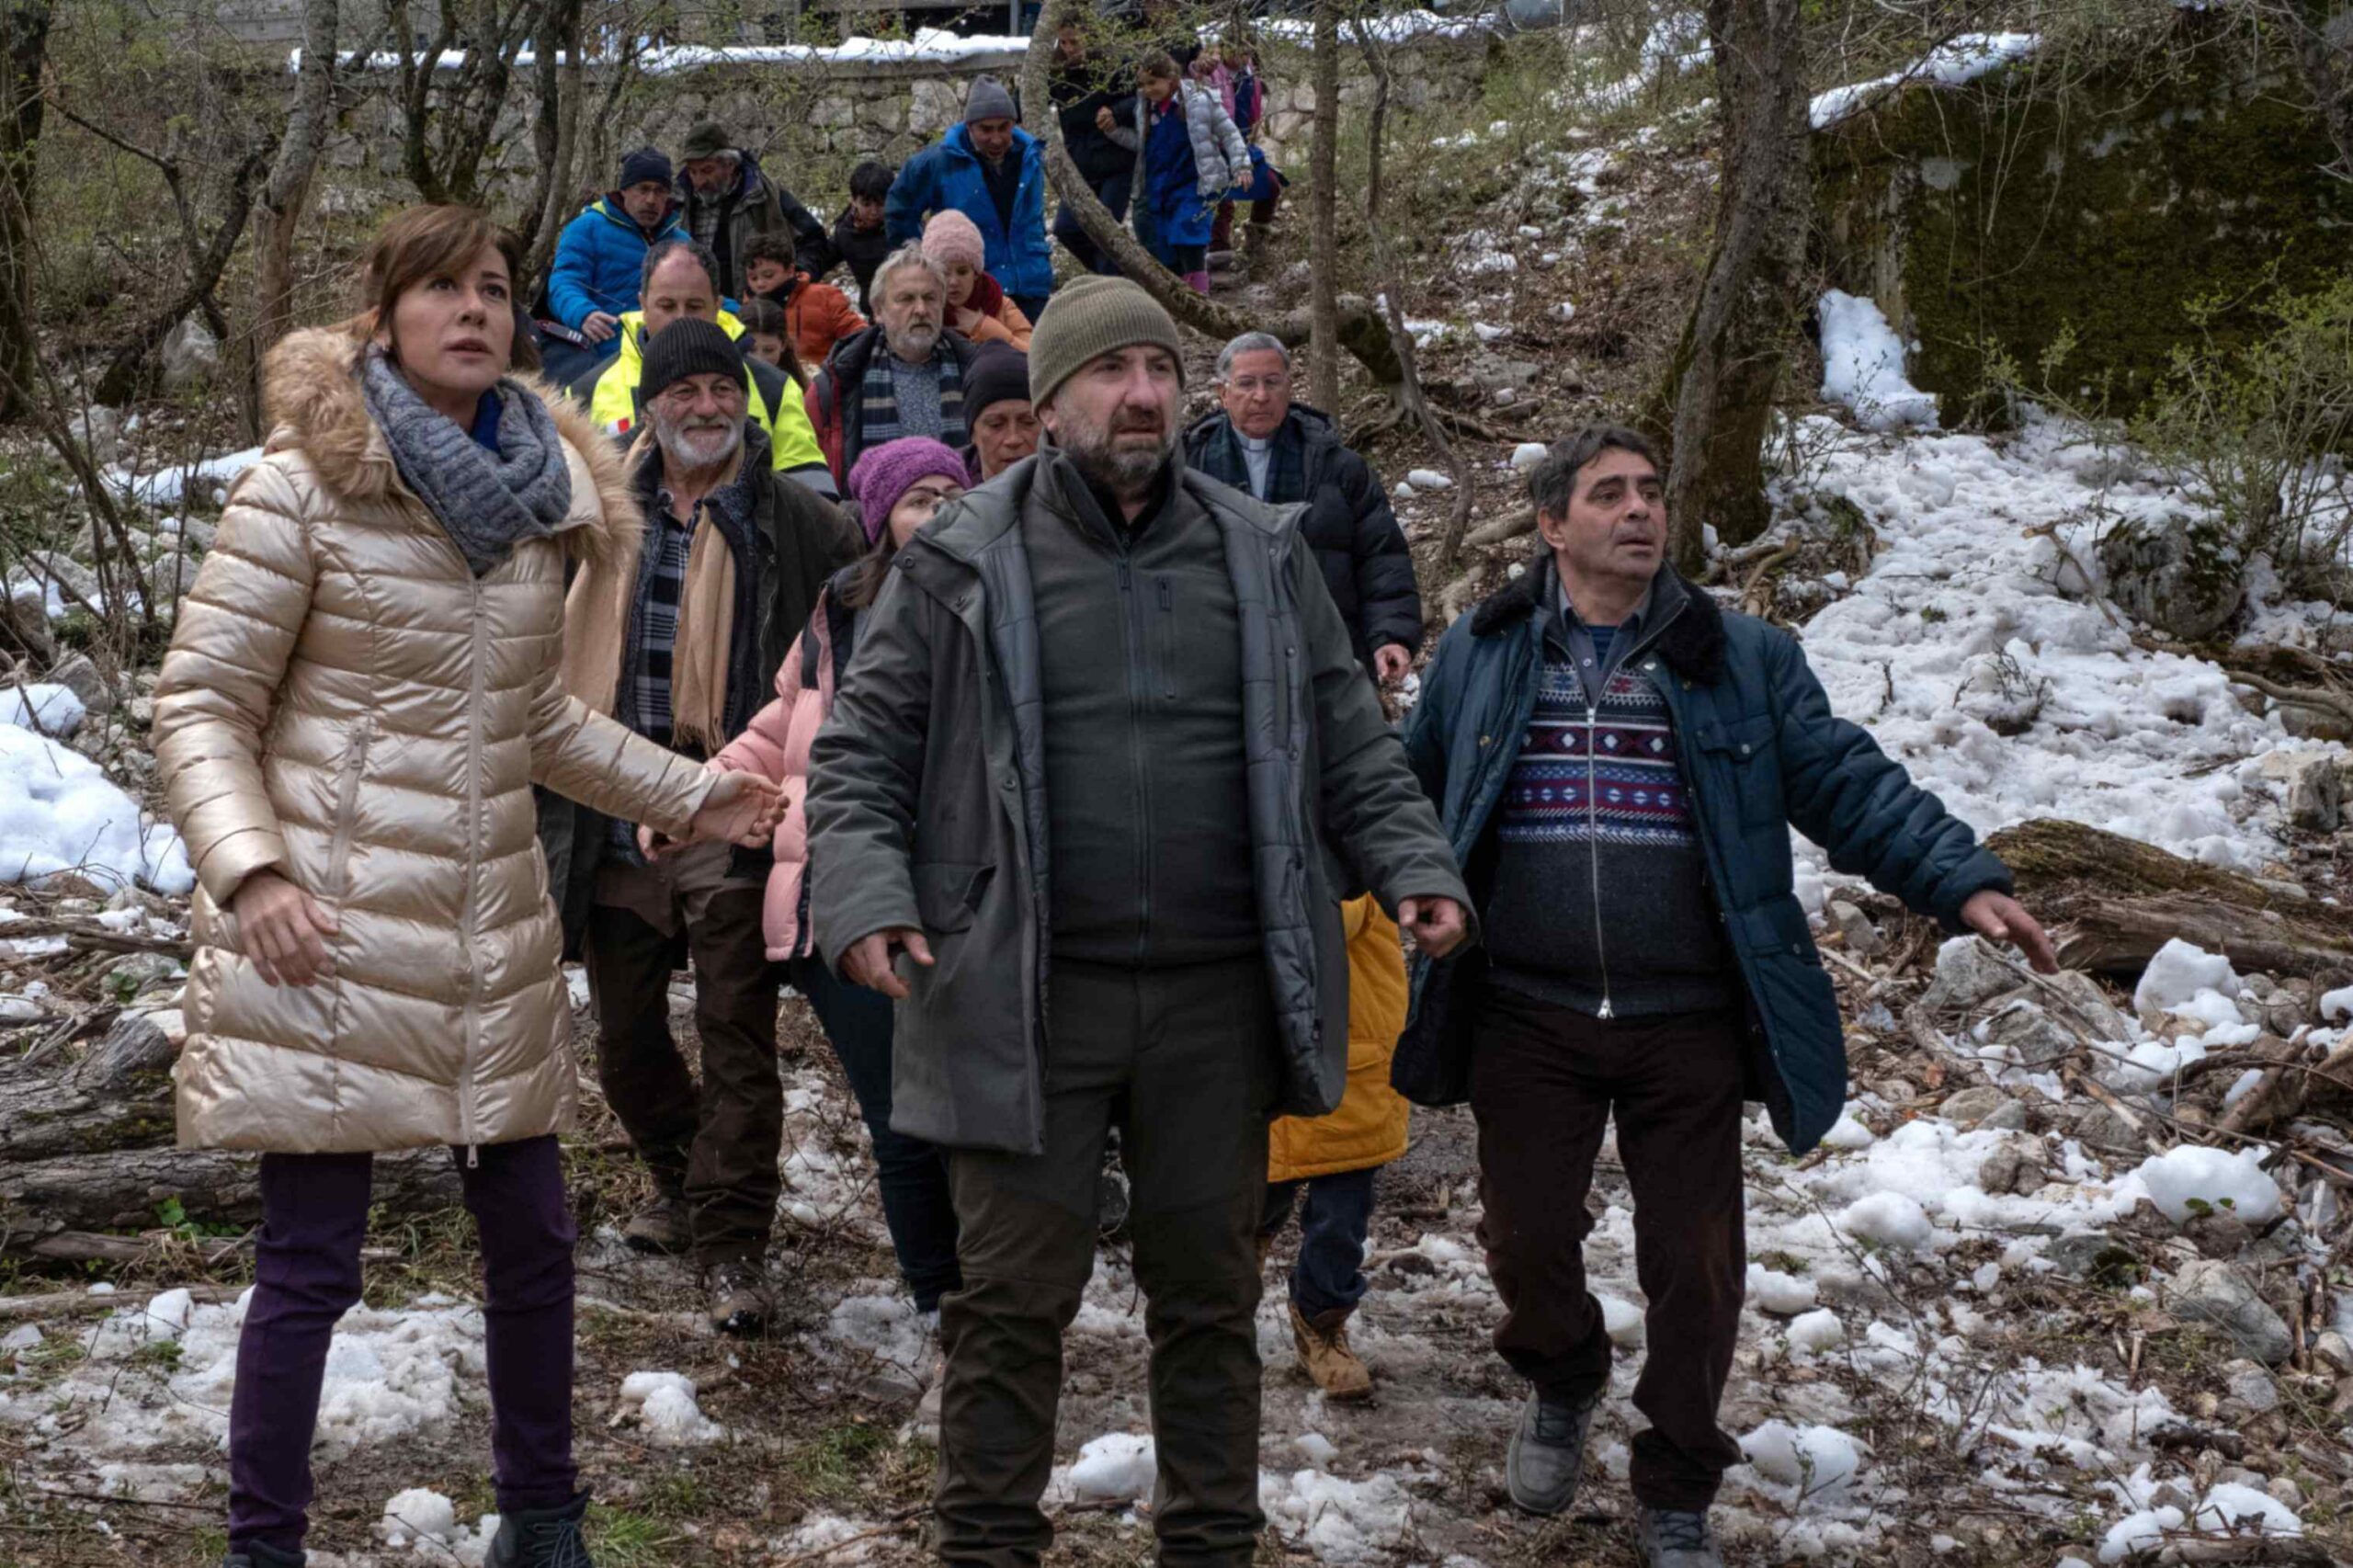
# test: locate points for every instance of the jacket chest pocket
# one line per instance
(1745, 762)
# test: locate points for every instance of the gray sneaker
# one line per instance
(1547, 1458)
(1676, 1537)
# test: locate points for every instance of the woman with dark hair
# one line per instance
(900, 486)
(361, 689)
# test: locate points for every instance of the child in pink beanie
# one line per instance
(977, 306)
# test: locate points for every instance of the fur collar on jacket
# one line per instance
(1692, 644)
(311, 402)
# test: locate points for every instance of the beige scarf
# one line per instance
(595, 628)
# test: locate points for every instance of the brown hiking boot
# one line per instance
(665, 1226)
(1325, 1354)
(741, 1299)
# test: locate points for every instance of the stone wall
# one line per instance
(810, 115)
(2013, 212)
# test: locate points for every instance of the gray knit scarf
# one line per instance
(489, 502)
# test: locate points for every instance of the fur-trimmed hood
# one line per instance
(313, 403)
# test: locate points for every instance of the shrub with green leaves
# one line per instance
(2260, 434)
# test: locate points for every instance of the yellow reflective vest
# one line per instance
(614, 403)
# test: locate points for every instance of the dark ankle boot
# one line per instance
(541, 1538)
(258, 1555)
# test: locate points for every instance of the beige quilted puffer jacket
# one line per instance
(345, 703)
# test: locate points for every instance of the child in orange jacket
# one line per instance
(1334, 1159)
(816, 315)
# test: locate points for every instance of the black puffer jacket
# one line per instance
(1348, 524)
(1078, 91)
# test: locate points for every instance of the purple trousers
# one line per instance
(306, 1275)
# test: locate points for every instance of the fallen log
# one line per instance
(118, 1096)
(122, 1190)
(85, 1149)
(2112, 902)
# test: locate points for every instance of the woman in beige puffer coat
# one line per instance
(362, 691)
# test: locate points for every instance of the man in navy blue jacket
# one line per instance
(1618, 764)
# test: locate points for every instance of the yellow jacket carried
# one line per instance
(1369, 1127)
(612, 403)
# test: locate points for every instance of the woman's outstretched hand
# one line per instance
(742, 808)
(283, 930)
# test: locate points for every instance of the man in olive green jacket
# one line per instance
(1104, 735)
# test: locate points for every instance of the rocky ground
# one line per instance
(1987, 1324)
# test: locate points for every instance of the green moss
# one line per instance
(2007, 214)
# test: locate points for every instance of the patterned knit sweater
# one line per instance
(1599, 897)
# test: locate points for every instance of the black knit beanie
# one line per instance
(687, 347)
(998, 373)
(646, 163)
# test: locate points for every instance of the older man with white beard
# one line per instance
(903, 376)
(732, 559)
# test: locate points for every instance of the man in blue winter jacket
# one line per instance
(994, 173)
(1618, 763)
(600, 257)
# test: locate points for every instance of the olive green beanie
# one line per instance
(1089, 318)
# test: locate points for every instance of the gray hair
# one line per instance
(912, 254)
(1552, 482)
(1249, 343)
(663, 250)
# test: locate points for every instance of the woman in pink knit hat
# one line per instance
(977, 307)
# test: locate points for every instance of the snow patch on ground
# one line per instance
(1862, 367)
(2191, 1180)
(47, 710)
(664, 1402)
(1961, 619)
(205, 481)
(60, 813)
(2178, 973)
(389, 1375)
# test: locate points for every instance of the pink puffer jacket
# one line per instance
(775, 746)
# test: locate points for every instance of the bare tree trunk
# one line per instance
(1323, 213)
(285, 194)
(24, 41)
(556, 132)
(1409, 386)
(1720, 386)
(1360, 330)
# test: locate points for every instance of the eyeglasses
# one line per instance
(1251, 386)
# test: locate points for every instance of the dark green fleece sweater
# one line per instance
(1140, 644)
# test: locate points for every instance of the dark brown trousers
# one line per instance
(1545, 1081)
(715, 1144)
